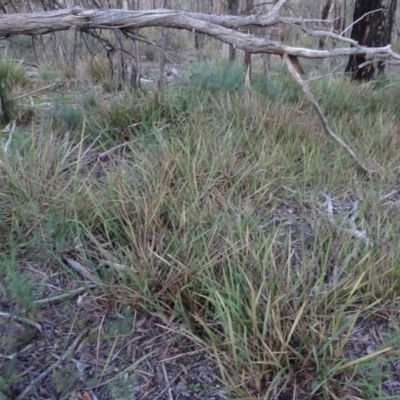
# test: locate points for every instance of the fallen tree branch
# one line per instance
(321, 115)
(35, 91)
(220, 27)
(82, 270)
(63, 295)
(67, 18)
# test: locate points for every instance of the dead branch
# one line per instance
(63, 295)
(220, 27)
(24, 320)
(35, 91)
(321, 115)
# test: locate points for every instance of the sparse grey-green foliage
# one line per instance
(18, 286)
(121, 388)
(215, 79)
(122, 325)
(48, 75)
(228, 78)
(68, 117)
(21, 42)
(280, 87)
(8, 378)
(89, 100)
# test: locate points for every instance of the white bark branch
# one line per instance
(220, 27)
(321, 115)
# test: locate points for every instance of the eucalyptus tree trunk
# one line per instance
(164, 43)
(4, 114)
(340, 7)
(201, 7)
(233, 9)
(324, 16)
(247, 54)
(135, 45)
(333, 10)
(373, 24)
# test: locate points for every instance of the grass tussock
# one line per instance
(214, 216)
(12, 77)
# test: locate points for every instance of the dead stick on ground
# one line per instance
(23, 320)
(82, 270)
(48, 370)
(167, 381)
(63, 296)
(35, 91)
(321, 115)
(171, 382)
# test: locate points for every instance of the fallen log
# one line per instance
(220, 27)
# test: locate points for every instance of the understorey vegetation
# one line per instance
(224, 215)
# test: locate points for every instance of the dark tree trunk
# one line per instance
(324, 16)
(373, 29)
(4, 115)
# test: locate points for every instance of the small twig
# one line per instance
(91, 146)
(117, 266)
(359, 19)
(105, 153)
(332, 283)
(190, 353)
(167, 380)
(63, 296)
(364, 64)
(392, 84)
(247, 88)
(101, 155)
(326, 75)
(8, 356)
(94, 397)
(12, 129)
(362, 235)
(331, 35)
(354, 213)
(82, 270)
(48, 370)
(35, 91)
(321, 115)
(82, 161)
(23, 320)
(171, 382)
(329, 209)
(386, 196)
(290, 190)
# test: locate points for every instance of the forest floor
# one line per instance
(198, 246)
